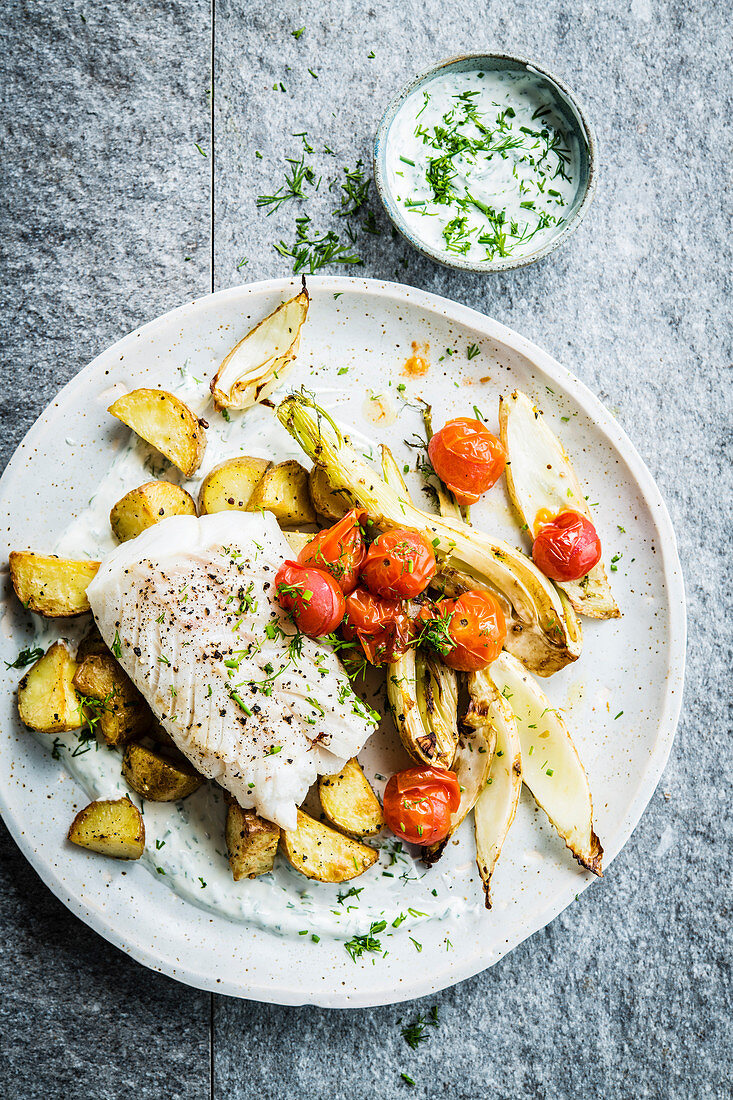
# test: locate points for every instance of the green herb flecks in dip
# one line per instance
(482, 164)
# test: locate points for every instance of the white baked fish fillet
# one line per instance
(188, 608)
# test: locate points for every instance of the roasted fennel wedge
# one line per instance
(427, 741)
(542, 483)
(437, 699)
(497, 803)
(542, 630)
(551, 767)
(471, 764)
(258, 364)
(422, 691)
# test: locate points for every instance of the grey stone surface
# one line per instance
(104, 197)
(628, 993)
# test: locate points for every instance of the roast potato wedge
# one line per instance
(230, 485)
(157, 778)
(159, 734)
(146, 505)
(259, 363)
(283, 490)
(325, 501)
(349, 802)
(47, 701)
(251, 842)
(319, 852)
(112, 827)
(51, 586)
(122, 711)
(92, 644)
(297, 540)
(162, 419)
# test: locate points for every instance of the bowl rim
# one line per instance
(509, 263)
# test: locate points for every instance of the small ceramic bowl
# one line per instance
(578, 125)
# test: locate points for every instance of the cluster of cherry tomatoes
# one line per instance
(340, 580)
(373, 589)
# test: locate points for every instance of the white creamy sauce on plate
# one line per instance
(482, 164)
(185, 842)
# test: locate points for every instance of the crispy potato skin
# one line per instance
(349, 802)
(112, 827)
(325, 501)
(160, 735)
(156, 778)
(283, 490)
(91, 645)
(319, 852)
(251, 842)
(229, 486)
(47, 701)
(51, 586)
(146, 505)
(163, 420)
(124, 714)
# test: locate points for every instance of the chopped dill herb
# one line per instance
(25, 657)
(357, 945)
(299, 174)
(353, 892)
(355, 191)
(312, 251)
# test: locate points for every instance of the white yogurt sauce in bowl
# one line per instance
(485, 163)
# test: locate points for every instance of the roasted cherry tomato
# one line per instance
(468, 631)
(382, 626)
(567, 547)
(312, 597)
(399, 564)
(467, 458)
(418, 804)
(339, 550)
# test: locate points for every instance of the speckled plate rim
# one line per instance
(457, 262)
(457, 968)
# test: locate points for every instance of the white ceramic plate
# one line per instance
(634, 665)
